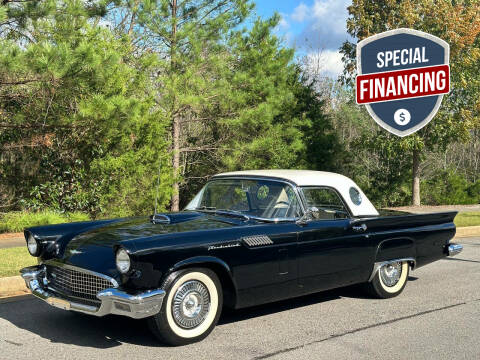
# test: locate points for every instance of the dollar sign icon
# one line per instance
(402, 117)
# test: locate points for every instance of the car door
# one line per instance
(265, 266)
(333, 250)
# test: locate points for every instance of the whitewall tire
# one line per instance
(390, 280)
(191, 307)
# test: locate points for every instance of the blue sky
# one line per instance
(313, 27)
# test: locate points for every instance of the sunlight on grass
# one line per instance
(468, 219)
(13, 259)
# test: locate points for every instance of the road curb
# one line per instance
(468, 231)
(12, 286)
(9, 236)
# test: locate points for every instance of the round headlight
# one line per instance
(33, 245)
(123, 261)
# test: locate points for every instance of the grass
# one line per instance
(13, 259)
(468, 219)
(19, 220)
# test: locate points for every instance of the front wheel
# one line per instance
(390, 280)
(191, 308)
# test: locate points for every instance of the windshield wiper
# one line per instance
(272, 220)
(232, 213)
(225, 212)
(205, 208)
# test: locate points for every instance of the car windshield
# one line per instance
(264, 199)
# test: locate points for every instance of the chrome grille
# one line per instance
(77, 283)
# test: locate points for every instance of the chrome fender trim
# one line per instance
(378, 265)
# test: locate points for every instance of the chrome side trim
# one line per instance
(378, 265)
(113, 301)
(454, 249)
(257, 240)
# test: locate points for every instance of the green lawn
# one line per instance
(13, 259)
(468, 219)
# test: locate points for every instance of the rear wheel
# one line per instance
(190, 309)
(390, 280)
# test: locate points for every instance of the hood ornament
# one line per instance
(160, 219)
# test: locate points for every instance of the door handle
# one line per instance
(359, 228)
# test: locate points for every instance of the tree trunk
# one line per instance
(416, 178)
(175, 203)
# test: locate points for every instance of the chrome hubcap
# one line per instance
(390, 273)
(191, 304)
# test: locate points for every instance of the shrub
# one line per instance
(66, 192)
(19, 220)
(449, 188)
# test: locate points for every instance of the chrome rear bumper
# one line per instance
(454, 249)
(112, 301)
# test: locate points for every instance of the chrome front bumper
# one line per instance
(112, 301)
(454, 249)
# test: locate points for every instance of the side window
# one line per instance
(327, 201)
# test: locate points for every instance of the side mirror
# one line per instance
(312, 213)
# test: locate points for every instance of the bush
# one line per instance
(19, 220)
(449, 188)
(66, 192)
(474, 192)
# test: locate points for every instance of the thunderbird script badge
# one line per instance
(402, 77)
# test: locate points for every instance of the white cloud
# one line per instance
(300, 13)
(282, 29)
(283, 23)
(324, 63)
(333, 63)
(325, 24)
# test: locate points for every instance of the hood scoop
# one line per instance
(175, 218)
(160, 219)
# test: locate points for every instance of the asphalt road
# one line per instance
(436, 317)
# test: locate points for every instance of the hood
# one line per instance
(141, 227)
(95, 242)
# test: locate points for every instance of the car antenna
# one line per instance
(156, 218)
(158, 186)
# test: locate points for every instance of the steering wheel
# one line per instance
(282, 202)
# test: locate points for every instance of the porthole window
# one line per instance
(355, 196)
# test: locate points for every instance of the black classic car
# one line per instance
(247, 238)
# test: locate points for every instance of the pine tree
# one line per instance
(71, 109)
(187, 38)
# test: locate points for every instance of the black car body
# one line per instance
(320, 243)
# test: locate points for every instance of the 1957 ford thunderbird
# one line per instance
(247, 238)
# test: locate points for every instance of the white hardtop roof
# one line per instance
(316, 178)
(299, 177)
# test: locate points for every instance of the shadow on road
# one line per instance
(457, 259)
(230, 316)
(66, 327)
